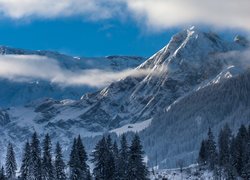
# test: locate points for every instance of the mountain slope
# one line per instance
(14, 93)
(192, 61)
(177, 132)
(186, 62)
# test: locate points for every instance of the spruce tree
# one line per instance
(123, 159)
(89, 177)
(202, 159)
(84, 169)
(99, 159)
(136, 169)
(110, 160)
(116, 159)
(212, 154)
(10, 164)
(74, 162)
(231, 169)
(2, 174)
(115, 151)
(36, 166)
(246, 166)
(246, 171)
(26, 162)
(59, 164)
(224, 145)
(47, 166)
(240, 149)
(230, 172)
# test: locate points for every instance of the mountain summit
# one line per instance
(187, 61)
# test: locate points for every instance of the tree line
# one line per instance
(230, 157)
(110, 161)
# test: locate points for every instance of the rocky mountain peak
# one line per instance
(189, 45)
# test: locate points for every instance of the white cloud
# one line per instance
(168, 13)
(156, 14)
(239, 58)
(93, 9)
(30, 67)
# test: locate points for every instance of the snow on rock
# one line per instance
(136, 127)
(186, 123)
(193, 172)
(188, 63)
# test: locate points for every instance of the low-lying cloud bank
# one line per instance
(157, 14)
(31, 67)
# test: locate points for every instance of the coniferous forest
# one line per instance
(230, 157)
(110, 161)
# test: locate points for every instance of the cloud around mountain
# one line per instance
(156, 14)
(24, 68)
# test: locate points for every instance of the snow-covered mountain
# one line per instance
(191, 63)
(191, 60)
(14, 93)
(185, 123)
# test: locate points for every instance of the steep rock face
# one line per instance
(189, 60)
(14, 93)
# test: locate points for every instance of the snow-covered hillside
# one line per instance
(192, 172)
(187, 61)
(14, 93)
(185, 123)
(191, 63)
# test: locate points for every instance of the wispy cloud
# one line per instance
(156, 14)
(239, 58)
(32, 67)
(92, 9)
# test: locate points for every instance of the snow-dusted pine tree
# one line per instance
(10, 164)
(47, 166)
(123, 159)
(246, 167)
(212, 153)
(83, 157)
(99, 157)
(224, 142)
(240, 147)
(26, 162)
(36, 165)
(137, 169)
(59, 164)
(110, 160)
(2, 174)
(203, 153)
(231, 171)
(116, 159)
(75, 171)
(246, 171)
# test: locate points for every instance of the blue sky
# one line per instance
(113, 27)
(85, 38)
